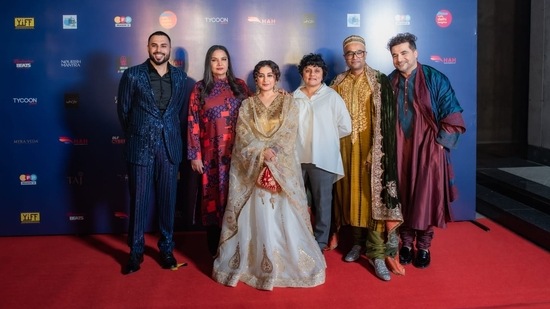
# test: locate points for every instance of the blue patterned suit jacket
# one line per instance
(143, 122)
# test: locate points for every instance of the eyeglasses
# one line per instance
(357, 53)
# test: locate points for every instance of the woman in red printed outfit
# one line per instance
(213, 112)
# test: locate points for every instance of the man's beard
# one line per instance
(155, 61)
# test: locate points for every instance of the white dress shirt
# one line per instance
(324, 119)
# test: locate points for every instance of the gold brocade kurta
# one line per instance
(361, 197)
(355, 149)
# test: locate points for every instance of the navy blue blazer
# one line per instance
(143, 122)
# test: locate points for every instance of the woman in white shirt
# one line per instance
(324, 119)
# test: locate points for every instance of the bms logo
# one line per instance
(28, 179)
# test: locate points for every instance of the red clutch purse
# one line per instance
(267, 181)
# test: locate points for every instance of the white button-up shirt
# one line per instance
(324, 119)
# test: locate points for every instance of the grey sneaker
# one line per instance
(380, 269)
(354, 254)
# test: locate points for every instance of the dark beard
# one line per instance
(152, 58)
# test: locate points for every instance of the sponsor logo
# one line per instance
(71, 63)
(77, 179)
(121, 215)
(354, 20)
(25, 141)
(402, 20)
(180, 63)
(262, 21)
(122, 177)
(30, 217)
(444, 60)
(75, 217)
(22, 63)
(217, 20)
(168, 19)
(443, 18)
(117, 140)
(28, 179)
(24, 23)
(72, 100)
(309, 20)
(123, 64)
(73, 141)
(28, 101)
(123, 21)
(179, 58)
(69, 22)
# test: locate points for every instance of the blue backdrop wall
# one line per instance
(61, 167)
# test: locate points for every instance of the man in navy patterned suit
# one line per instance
(150, 100)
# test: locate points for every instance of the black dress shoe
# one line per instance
(133, 264)
(405, 255)
(167, 260)
(422, 259)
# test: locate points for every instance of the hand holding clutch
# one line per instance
(267, 181)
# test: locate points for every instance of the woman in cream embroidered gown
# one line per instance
(266, 238)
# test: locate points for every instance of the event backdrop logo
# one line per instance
(444, 60)
(217, 20)
(123, 64)
(123, 21)
(30, 217)
(77, 179)
(69, 22)
(168, 19)
(24, 23)
(120, 215)
(26, 141)
(402, 20)
(28, 179)
(122, 177)
(117, 140)
(28, 101)
(72, 100)
(309, 20)
(73, 141)
(23, 63)
(354, 20)
(68, 63)
(443, 18)
(262, 21)
(75, 216)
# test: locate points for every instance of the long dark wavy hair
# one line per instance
(208, 78)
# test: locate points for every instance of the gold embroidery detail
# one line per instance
(305, 262)
(266, 265)
(391, 186)
(357, 93)
(235, 260)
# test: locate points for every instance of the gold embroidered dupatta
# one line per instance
(259, 127)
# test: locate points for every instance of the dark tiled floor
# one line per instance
(514, 192)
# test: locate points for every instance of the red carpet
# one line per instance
(470, 268)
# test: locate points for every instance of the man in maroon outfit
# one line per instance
(428, 126)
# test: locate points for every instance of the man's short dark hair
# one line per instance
(403, 38)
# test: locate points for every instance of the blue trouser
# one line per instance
(159, 178)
